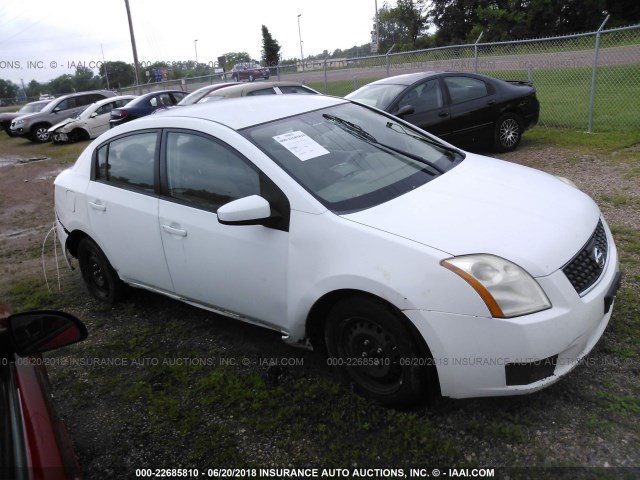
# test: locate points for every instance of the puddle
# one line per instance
(6, 162)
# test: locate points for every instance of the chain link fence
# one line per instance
(589, 82)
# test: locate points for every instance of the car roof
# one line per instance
(252, 87)
(107, 93)
(99, 103)
(233, 112)
(406, 79)
(146, 96)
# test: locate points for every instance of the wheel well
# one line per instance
(41, 124)
(320, 310)
(73, 240)
(81, 133)
(318, 316)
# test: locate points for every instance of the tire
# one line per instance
(234, 77)
(78, 135)
(251, 77)
(364, 329)
(39, 133)
(507, 133)
(97, 273)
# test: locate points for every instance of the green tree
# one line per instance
(120, 74)
(84, 79)
(34, 89)
(461, 21)
(8, 89)
(270, 48)
(235, 57)
(402, 25)
(62, 84)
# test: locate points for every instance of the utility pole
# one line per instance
(300, 38)
(133, 47)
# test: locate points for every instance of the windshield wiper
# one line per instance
(359, 132)
(449, 152)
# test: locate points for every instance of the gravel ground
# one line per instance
(568, 424)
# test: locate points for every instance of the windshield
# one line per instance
(193, 97)
(379, 96)
(33, 107)
(350, 157)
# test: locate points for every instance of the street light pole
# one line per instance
(195, 45)
(300, 38)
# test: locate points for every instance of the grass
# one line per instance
(564, 95)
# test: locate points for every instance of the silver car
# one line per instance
(35, 126)
(90, 122)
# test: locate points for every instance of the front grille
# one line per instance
(587, 266)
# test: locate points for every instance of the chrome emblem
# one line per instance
(598, 257)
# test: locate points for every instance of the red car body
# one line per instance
(35, 441)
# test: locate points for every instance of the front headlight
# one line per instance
(506, 288)
(18, 122)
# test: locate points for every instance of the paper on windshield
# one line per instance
(301, 145)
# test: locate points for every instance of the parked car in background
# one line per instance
(35, 126)
(35, 441)
(193, 97)
(90, 122)
(145, 105)
(249, 71)
(255, 89)
(464, 109)
(344, 227)
(7, 117)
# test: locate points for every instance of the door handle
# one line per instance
(174, 231)
(443, 114)
(491, 102)
(98, 206)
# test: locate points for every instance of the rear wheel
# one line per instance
(251, 77)
(507, 133)
(99, 276)
(373, 346)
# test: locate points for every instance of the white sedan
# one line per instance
(90, 122)
(418, 266)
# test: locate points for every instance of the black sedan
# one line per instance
(464, 109)
(145, 105)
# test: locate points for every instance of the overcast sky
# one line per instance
(43, 39)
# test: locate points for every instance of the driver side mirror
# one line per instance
(405, 110)
(251, 210)
(41, 331)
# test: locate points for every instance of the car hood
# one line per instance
(63, 123)
(490, 206)
(9, 116)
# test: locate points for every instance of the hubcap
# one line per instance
(509, 132)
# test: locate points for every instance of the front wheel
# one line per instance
(251, 78)
(99, 276)
(40, 133)
(507, 133)
(373, 346)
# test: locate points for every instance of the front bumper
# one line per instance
(481, 356)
